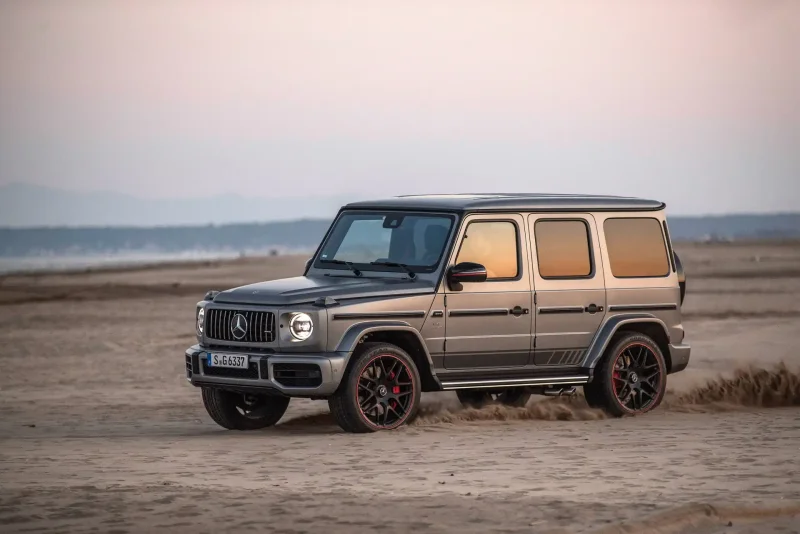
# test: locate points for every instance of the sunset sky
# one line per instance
(696, 103)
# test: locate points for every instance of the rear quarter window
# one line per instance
(636, 247)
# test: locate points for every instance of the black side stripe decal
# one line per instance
(478, 312)
(379, 315)
(643, 307)
(561, 309)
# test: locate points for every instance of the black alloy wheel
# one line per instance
(380, 392)
(637, 377)
(631, 379)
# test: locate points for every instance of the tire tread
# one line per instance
(220, 407)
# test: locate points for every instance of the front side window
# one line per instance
(494, 245)
(562, 247)
(636, 247)
(368, 238)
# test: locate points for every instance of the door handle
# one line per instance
(593, 308)
(516, 311)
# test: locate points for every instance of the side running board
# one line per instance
(514, 382)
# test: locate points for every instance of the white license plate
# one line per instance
(235, 361)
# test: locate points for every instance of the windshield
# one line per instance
(364, 239)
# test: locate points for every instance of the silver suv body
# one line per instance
(494, 296)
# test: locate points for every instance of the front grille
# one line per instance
(260, 325)
(226, 372)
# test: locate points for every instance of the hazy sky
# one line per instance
(693, 102)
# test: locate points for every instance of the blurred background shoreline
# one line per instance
(47, 249)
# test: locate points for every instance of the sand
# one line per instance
(101, 433)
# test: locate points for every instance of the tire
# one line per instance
(237, 411)
(593, 398)
(477, 398)
(631, 379)
(380, 391)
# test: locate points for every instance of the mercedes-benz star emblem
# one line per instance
(239, 326)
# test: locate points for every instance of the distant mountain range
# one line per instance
(23, 205)
(237, 238)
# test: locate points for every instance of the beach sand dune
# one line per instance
(101, 433)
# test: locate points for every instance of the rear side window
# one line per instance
(636, 248)
(494, 245)
(562, 247)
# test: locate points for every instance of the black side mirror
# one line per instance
(466, 271)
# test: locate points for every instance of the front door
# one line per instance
(488, 324)
(570, 288)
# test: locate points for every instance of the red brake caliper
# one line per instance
(395, 389)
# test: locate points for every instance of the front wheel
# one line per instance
(242, 411)
(380, 391)
(631, 379)
(477, 398)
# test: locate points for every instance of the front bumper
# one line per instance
(293, 375)
(679, 354)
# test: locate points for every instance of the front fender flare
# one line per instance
(609, 328)
(350, 339)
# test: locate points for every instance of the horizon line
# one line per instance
(327, 220)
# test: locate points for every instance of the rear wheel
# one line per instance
(243, 411)
(631, 379)
(381, 390)
(477, 398)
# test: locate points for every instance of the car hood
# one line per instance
(305, 289)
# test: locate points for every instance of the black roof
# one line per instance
(511, 201)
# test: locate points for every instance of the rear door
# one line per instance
(570, 298)
(488, 324)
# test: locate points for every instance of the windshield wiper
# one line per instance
(345, 263)
(406, 268)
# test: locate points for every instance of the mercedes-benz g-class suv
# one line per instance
(496, 297)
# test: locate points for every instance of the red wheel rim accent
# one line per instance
(636, 378)
(385, 391)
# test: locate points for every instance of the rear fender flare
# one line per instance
(609, 328)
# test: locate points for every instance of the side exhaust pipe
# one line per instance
(570, 391)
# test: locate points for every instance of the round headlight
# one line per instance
(201, 317)
(301, 326)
